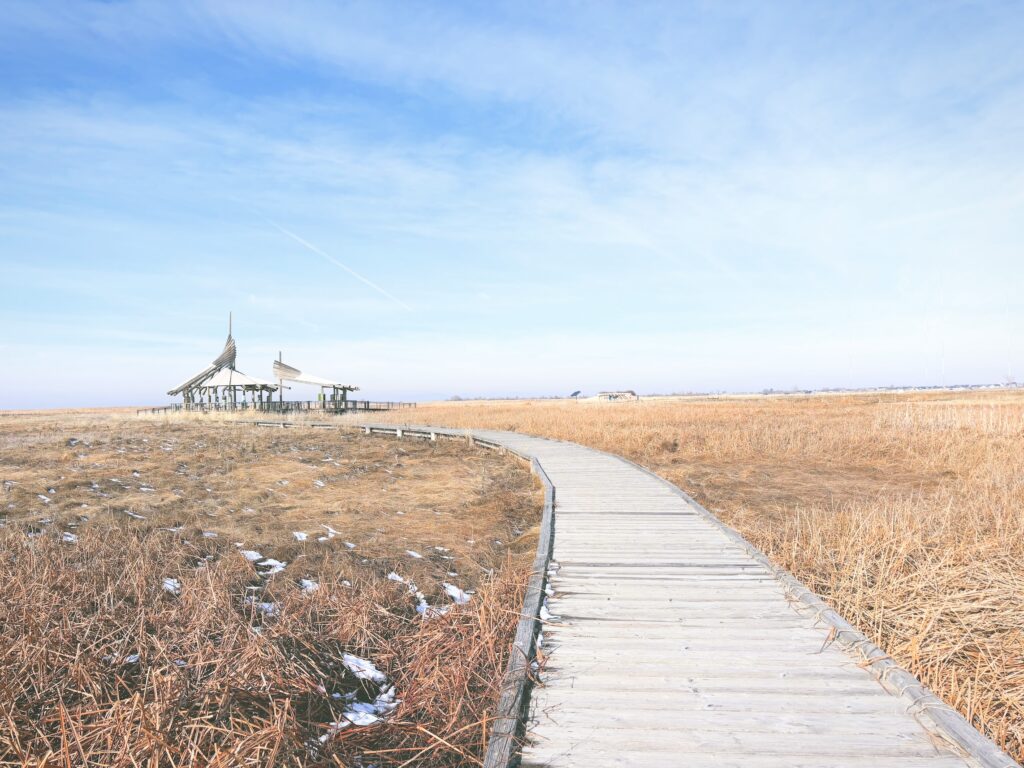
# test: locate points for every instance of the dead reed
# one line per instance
(903, 510)
(129, 641)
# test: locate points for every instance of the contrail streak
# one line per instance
(337, 263)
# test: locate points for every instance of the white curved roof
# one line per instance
(288, 373)
(229, 377)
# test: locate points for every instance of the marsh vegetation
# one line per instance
(190, 592)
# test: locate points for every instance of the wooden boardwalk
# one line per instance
(671, 642)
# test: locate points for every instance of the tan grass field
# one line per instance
(101, 664)
(904, 511)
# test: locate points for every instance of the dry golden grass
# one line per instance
(905, 511)
(216, 681)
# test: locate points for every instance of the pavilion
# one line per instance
(221, 382)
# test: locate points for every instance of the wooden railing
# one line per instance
(286, 406)
(513, 702)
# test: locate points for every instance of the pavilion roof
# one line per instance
(288, 373)
(229, 377)
(221, 373)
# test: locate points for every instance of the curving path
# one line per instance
(672, 642)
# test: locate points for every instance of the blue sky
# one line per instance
(510, 199)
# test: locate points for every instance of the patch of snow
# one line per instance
(319, 483)
(350, 545)
(363, 668)
(267, 609)
(300, 535)
(456, 594)
(308, 586)
(414, 554)
(69, 538)
(209, 534)
(334, 729)
(251, 555)
(134, 515)
(545, 612)
(271, 566)
(44, 499)
(431, 611)
(172, 585)
(362, 713)
(386, 701)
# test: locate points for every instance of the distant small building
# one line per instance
(625, 394)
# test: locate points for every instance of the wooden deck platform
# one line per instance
(672, 642)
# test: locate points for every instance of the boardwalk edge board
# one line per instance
(937, 717)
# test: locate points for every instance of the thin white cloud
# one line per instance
(338, 263)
